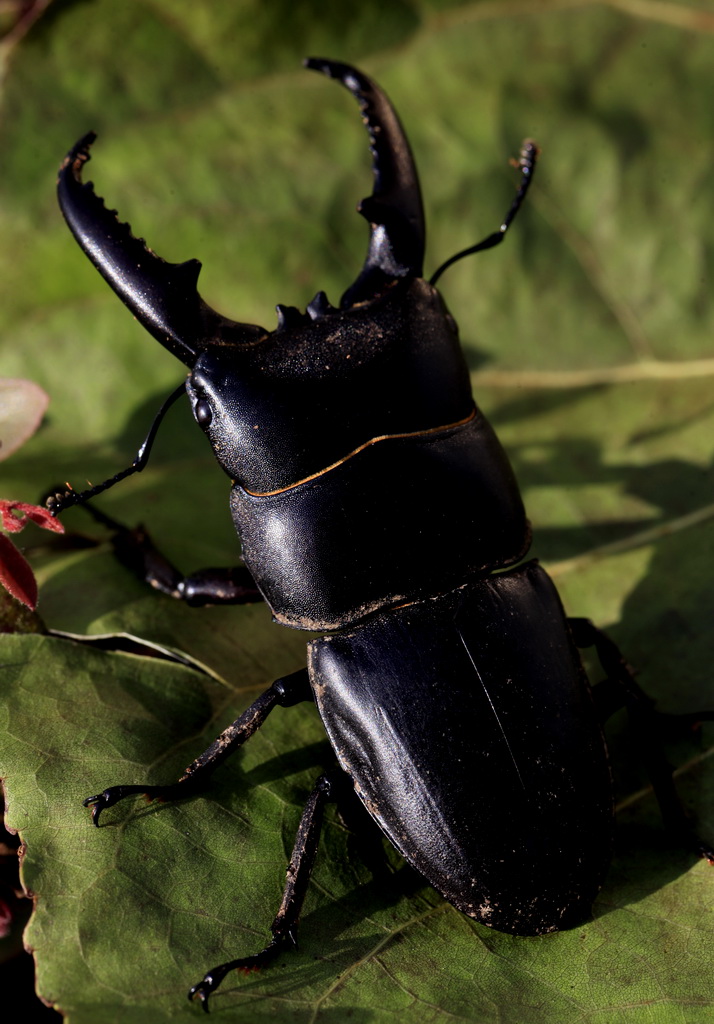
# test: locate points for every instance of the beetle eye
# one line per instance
(203, 412)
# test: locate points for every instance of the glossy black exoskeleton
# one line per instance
(375, 504)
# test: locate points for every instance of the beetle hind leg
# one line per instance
(620, 690)
(284, 927)
(285, 692)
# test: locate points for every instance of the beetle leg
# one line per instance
(284, 927)
(620, 690)
(286, 692)
(136, 551)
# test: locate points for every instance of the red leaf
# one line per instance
(16, 575)
(5, 919)
(36, 513)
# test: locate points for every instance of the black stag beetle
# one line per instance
(375, 504)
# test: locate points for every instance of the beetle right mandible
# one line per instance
(375, 505)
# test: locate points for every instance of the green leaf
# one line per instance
(589, 332)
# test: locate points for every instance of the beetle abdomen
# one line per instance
(402, 517)
(467, 726)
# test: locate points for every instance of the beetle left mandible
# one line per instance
(375, 505)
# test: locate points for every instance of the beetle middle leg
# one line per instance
(285, 692)
(620, 690)
(284, 927)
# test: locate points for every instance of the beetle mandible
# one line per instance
(449, 684)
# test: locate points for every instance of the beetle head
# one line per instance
(163, 296)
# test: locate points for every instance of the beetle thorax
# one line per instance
(305, 396)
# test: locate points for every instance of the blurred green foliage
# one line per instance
(590, 334)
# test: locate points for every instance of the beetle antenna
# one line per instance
(56, 503)
(526, 161)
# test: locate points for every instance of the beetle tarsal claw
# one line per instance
(201, 991)
(97, 803)
(246, 965)
(704, 850)
(101, 801)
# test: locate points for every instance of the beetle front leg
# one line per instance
(284, 927)
(620, 690)
(135, 549)
(285, 692)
